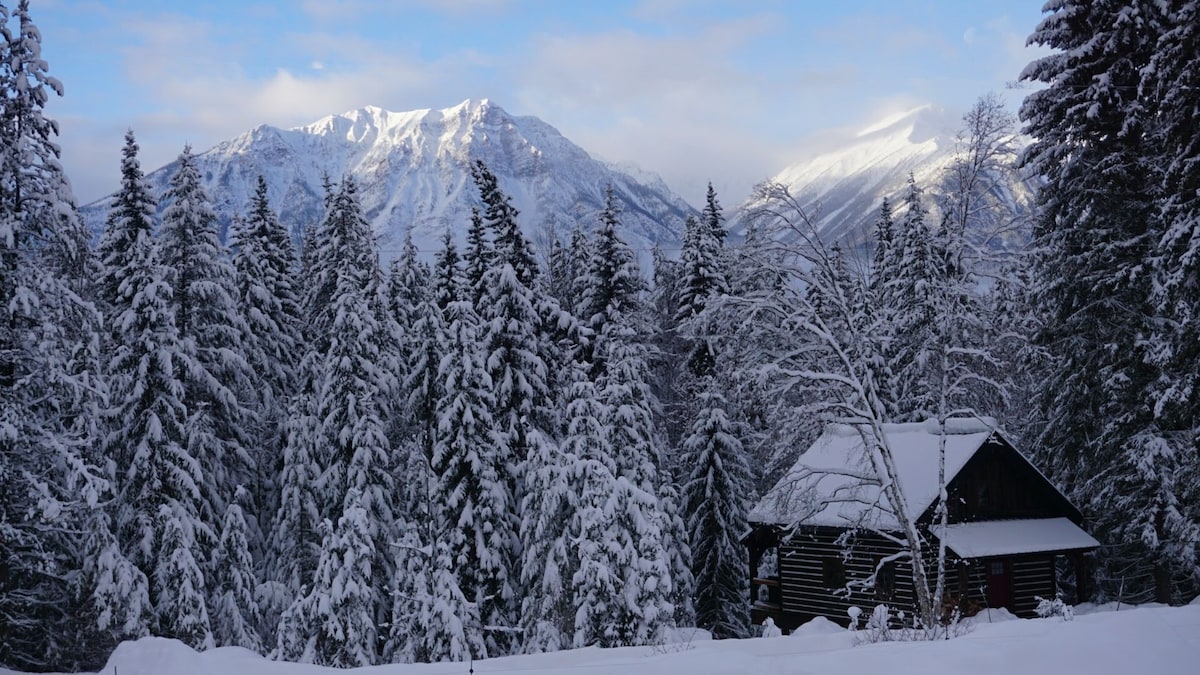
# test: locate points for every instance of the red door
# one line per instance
(999, 592)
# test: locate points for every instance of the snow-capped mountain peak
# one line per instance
(846, 185)
(413, 171)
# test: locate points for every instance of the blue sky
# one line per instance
(694, 90)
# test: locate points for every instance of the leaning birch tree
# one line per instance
(824, 337)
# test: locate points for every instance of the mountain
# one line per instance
(845, 187)
(413, 171)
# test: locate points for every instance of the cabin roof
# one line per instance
(991, 538)
(833, 483)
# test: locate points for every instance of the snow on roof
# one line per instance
(833, 482)
(1010, 537)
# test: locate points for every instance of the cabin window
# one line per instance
(885, 581)
(834, 572)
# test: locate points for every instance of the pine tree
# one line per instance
(478, 257)
(552, 502)
(635, 515)
(434, 621)
(267, 295)
(159, 482)
(611, 286)
(122, 595)
(448, 282)
(1173, 83)
(295, 536)
(408, 285)
(352, 426)
(180, 596)
(704, 268)
(715, 494)
(910, 311)
(884, 256)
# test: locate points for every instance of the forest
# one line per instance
(287, 446)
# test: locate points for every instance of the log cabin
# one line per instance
(824, 538)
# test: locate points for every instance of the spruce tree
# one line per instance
(208, 322)
(180, 595)
(235, 611)
(1101, 221)
(469, 461)
(335, 624)
(268, 299)
(130, 220)
(1173, 83)
(478, 256)
(910, 312)
(611, 284)
(633, 440)
(552, 502)
(512, 336)
(50, 393)
(715, 494)
(160, 483)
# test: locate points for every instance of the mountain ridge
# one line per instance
(413, 171)
(845, 186)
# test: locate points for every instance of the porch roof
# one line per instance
(991, 538)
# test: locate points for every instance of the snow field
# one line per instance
(1145, 640)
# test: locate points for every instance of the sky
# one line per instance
(694, 90)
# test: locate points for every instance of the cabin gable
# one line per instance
(999, 483)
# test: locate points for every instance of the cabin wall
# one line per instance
(805, 590)
(805, 587)
(1032, 577)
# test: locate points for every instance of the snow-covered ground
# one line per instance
(1144, 640)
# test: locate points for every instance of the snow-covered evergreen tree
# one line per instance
(51, 481)
(217, 381)
(470, 456)
(715, 494)
(478, 256)
(265, 263)
(268, 298)
(909, 310)
(181, 609)
(335, 624)
(553, 484)
(434, 620)
(511, 311)
(631, 521)
(235, 611)
(611, 284)
(130, 220)
(159, 497)
(448, 280)
(295, 534)
(1102, 220)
